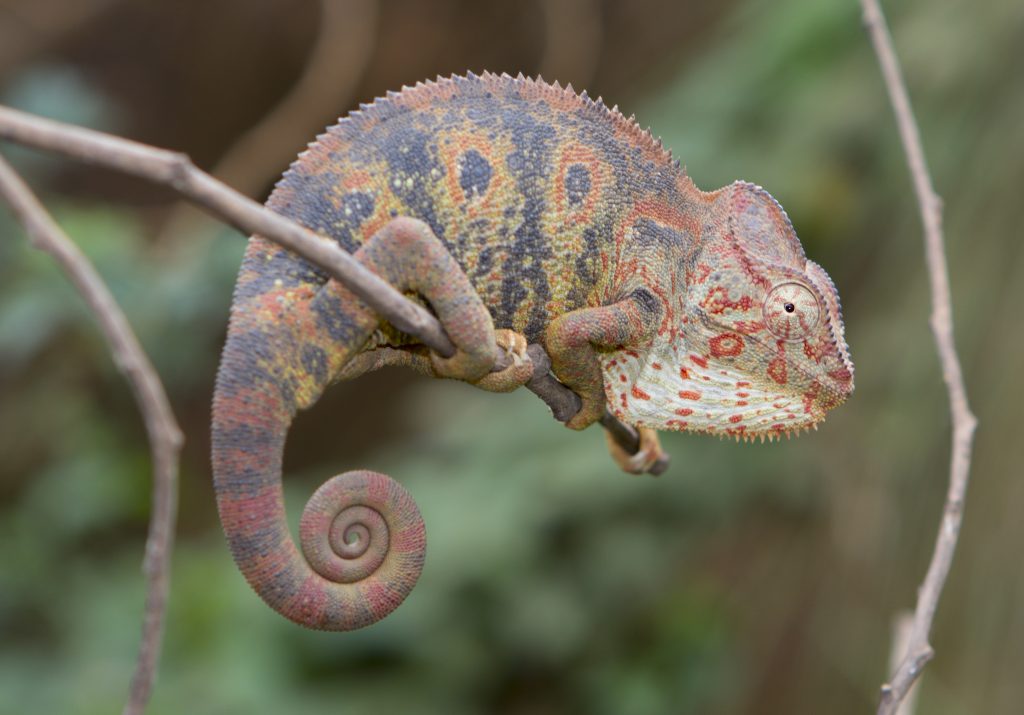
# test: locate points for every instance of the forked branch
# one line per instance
(919, 650)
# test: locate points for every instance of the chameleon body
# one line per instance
(520, 212)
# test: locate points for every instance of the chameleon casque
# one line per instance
(520, 212)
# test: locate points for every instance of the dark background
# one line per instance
(748, 579)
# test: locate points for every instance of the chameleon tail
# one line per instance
(361, 535)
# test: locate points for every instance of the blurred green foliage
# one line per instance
(752, 578)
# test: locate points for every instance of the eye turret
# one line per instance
(791, 311)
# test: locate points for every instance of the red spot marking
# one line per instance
(613, 363)
(684, 373)
(815, 350)
(622, 398)
(841, 375)
(633, 354)
(742, 394)
(742, 383)
(726, 345)
(622, 378)
(684, 412)
(689, 394)
(777, 371)
(748, 326)
(639, 394)
(676, 424)
(742, 403)
(736, 418)
(810, 395)
(717, 301)
(700, 361)
(702, 273)
(656, 365)
(778, 426)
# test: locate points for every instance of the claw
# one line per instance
(517, 372)
(649, 453)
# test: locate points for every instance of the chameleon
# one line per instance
(519, 212)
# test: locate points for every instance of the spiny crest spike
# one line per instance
(583, 94)
(521, 77)
(470, 75)
(568, 87)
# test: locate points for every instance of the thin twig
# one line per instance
(165, 438)
(902, 626)
(919, 651)
(177, 171)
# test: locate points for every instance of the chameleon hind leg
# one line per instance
(572, 340)
(407, 254)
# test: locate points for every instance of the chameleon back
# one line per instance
(531, 187)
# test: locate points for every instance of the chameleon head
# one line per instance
(755, 346)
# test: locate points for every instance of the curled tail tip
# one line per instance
(363, 546)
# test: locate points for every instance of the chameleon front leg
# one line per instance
(573, 340)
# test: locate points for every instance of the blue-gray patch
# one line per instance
(529, 164)
(475, 174)
(314, 360)
(651, 233)
(261, 273)
(577, 183)
(335, 320)
(356, 207)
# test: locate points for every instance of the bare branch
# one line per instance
(918, 650)
(177, 171)
(165, 437)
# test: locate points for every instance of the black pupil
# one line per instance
(789, 307)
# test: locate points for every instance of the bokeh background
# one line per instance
(748, 579)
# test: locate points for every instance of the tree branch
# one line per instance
(165, 438)
(177, 171)
(918, 650)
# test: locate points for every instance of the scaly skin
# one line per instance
(521, 212)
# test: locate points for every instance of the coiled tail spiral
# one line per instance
(364, 530)
(362, 536)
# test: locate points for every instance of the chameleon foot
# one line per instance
(650, 452)
(517, 372)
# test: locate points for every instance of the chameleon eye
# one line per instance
(791, 311)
